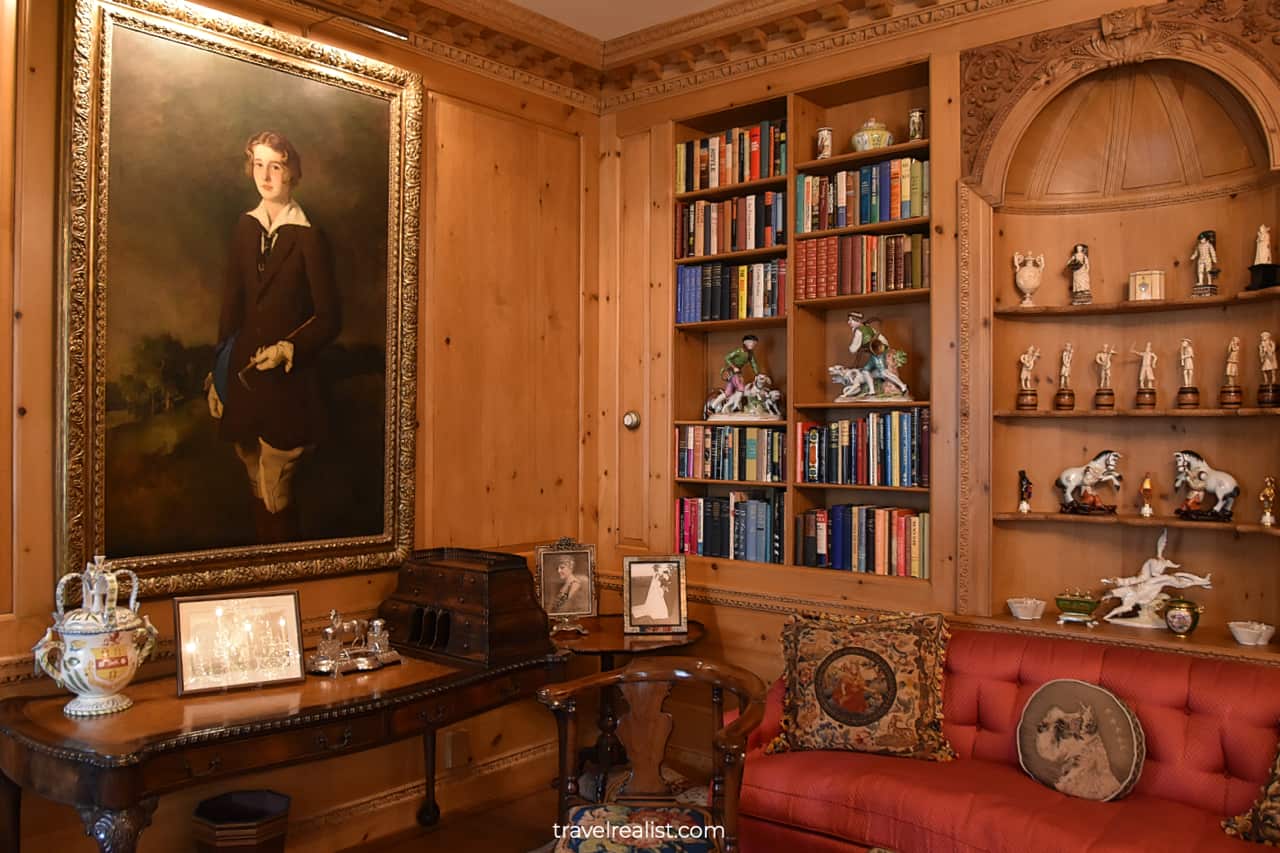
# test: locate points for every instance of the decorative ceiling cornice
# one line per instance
(507, 42)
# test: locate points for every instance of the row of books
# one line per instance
(732, 157)
(861, 263)
(882, 192)
(875, 449)
(869, 539)
(747, 222)
(747, 453)
(741, 526)
(718, 291)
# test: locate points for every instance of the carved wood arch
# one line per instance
(1007, 84)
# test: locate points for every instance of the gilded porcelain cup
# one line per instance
(99, 646)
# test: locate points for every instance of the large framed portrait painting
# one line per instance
(240, 309)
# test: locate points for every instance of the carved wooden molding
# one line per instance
(1005, 85)
(506, 42)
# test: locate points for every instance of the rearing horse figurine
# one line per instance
(1199, 477)
(1079, 496)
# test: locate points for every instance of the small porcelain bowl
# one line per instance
(1026, 608)
(1251, 633)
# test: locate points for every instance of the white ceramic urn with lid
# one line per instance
(99, 645)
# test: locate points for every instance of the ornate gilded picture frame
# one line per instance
(239, 303)
(567, 582)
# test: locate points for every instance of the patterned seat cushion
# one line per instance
(865, 686)
(617, 828)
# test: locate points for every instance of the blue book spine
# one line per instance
(886, 192)
(875, 194)
(864, 195)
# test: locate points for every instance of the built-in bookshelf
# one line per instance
(849, 233)
(1133, 215)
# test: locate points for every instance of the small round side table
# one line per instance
(604, 638)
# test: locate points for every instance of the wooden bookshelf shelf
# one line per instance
(1036, 312)
(918, 490)
(746, 484)
(1013, 414)
(735, 190)
(853, 300)
(1209, 639)
(840, 162)
(728, 325)
(1131, 521)
(744, 255)
(855, 404)
(892, 226)
(732, 423)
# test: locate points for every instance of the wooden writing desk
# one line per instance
(114, 768)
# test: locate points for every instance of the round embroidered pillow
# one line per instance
(1080, 739)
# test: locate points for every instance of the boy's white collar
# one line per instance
(291, 215)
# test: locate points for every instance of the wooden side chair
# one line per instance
(636, 815)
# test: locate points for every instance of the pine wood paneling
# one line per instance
(503, 364)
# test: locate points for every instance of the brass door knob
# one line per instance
(631, 420)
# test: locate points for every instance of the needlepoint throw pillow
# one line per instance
(1260, 824)
(1080, 739)
(865, 686)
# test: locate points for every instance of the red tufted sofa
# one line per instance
(1211, 729)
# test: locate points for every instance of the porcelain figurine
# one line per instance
(1079, 485)
(1065, 398)
(874, 372)
(1262, 246)
(1078, 264)
(1267, 497)
(1104, 398)
(100, 645)
(1027, 400)
(1146, 377)
(1230, 396)
(1024, 492)
(1268, 391)
(1141, 595)
(872, 134)
(1027, 271)
(915, 123)
(1191, 470)
(1188, 394)
(732, 401)
(1147, 492)
(1206, 258)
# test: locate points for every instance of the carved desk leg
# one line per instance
(118, 831)
(429, 813)
(10, 814)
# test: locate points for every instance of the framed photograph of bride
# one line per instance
(654, 596)
(567, 579)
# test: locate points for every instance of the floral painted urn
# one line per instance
(873, 134)
(98, 646)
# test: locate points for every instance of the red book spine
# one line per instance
(755, 153)
(833, 266)
(811, 268)
(820, 287)
(782, 287)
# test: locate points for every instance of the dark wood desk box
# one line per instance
(464, 605)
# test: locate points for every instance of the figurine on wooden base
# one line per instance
(733, 402)
(1079, 485)
(1206, 258)
(1147, 491)
(1191, 470)
(1104, 398)
(1230, 396)
(1027, 270)
(1141, 596)
(1024, 492)
(1268, 391)
(874, 373)
(1146, 377)
(1188, 394)
(1267, 498)
(1065, 399)
(1263, 273)
(1078, 264)
(1027, 399)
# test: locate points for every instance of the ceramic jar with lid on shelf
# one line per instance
(873, 134)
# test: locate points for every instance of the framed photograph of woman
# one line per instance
(654, 595)
(566, 581)
(239, 300)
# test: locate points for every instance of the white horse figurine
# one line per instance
(1140, 594)
(1086, 478)
(1195, 473)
